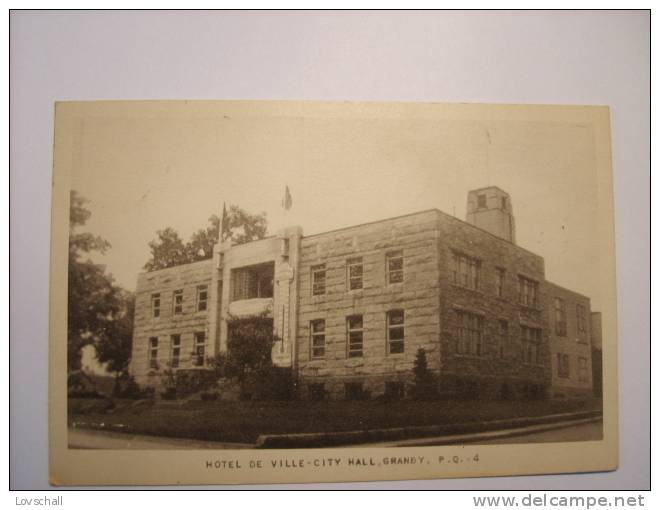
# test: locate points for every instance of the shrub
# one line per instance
(81, 385)
(168, 394)
(193, 380)
(127, 388)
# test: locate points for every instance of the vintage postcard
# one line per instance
(266, 292)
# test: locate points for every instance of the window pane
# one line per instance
(396, 347)
(355, 322)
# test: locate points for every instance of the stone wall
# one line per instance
(417, 296)
(165, 281)
(574, 343)
(500, 367)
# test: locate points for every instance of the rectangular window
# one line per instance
(175, 352)
(563, 365)
(560, 317)
(318, 280)
(530, 341)
(153, 352)
(202, 297)
(200, 349)
(528, 291)
(317, 338)
(253, 282)
(504, 337)
(353, 391)
(177, 302)
(155, 305)
(499, 281)
(354, 273)
(581, 319)
(466, 270)
(469, 333)
(583, 374)
(395, 331)
(481, 201)
(394, 266)
(354, 333)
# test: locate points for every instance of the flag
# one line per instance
(224, 223)
(287, 201)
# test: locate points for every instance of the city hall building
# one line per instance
(351, 307)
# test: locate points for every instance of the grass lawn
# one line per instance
(245, 421)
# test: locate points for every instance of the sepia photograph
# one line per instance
(252, 291)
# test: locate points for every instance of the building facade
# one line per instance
(352, 308)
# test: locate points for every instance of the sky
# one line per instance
(144, 168)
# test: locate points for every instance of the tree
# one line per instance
(114, 347)
(424, 386)
(93, 300)
(168, 249)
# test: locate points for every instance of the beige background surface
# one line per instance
(611, 48)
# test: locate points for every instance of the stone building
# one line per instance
(353, 306)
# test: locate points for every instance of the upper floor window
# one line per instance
(481, 201)
(394, 266)
(202, 297)
(318, 280)
(528, 291)
(153, 352)
(199, 348)
(253, 281)
(395, 331)
(354, 332)
(177, 302)
(354, 270)
(155, 305)
(499, 281)
(530, 341)
(581, 319)
(175, 350)
(469, 333)
(317, 338)
(563, 365)
(466, 271)
(560, 317)
(504, 203)
(583, 373)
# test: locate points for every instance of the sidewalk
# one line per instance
(107, 440)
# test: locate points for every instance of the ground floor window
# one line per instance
(530, 344)
(583, 374)
(153, 352)
(354, 332)
(317, 334)
(175, 352)
(200, 349)
(395, 331)
(469, 333)
(353, 391)
(563, 365)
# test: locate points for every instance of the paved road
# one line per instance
(106, 440)
(98, 439)
(585, 432)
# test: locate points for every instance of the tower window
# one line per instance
(481, 201)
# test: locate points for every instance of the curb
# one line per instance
(464, 430)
